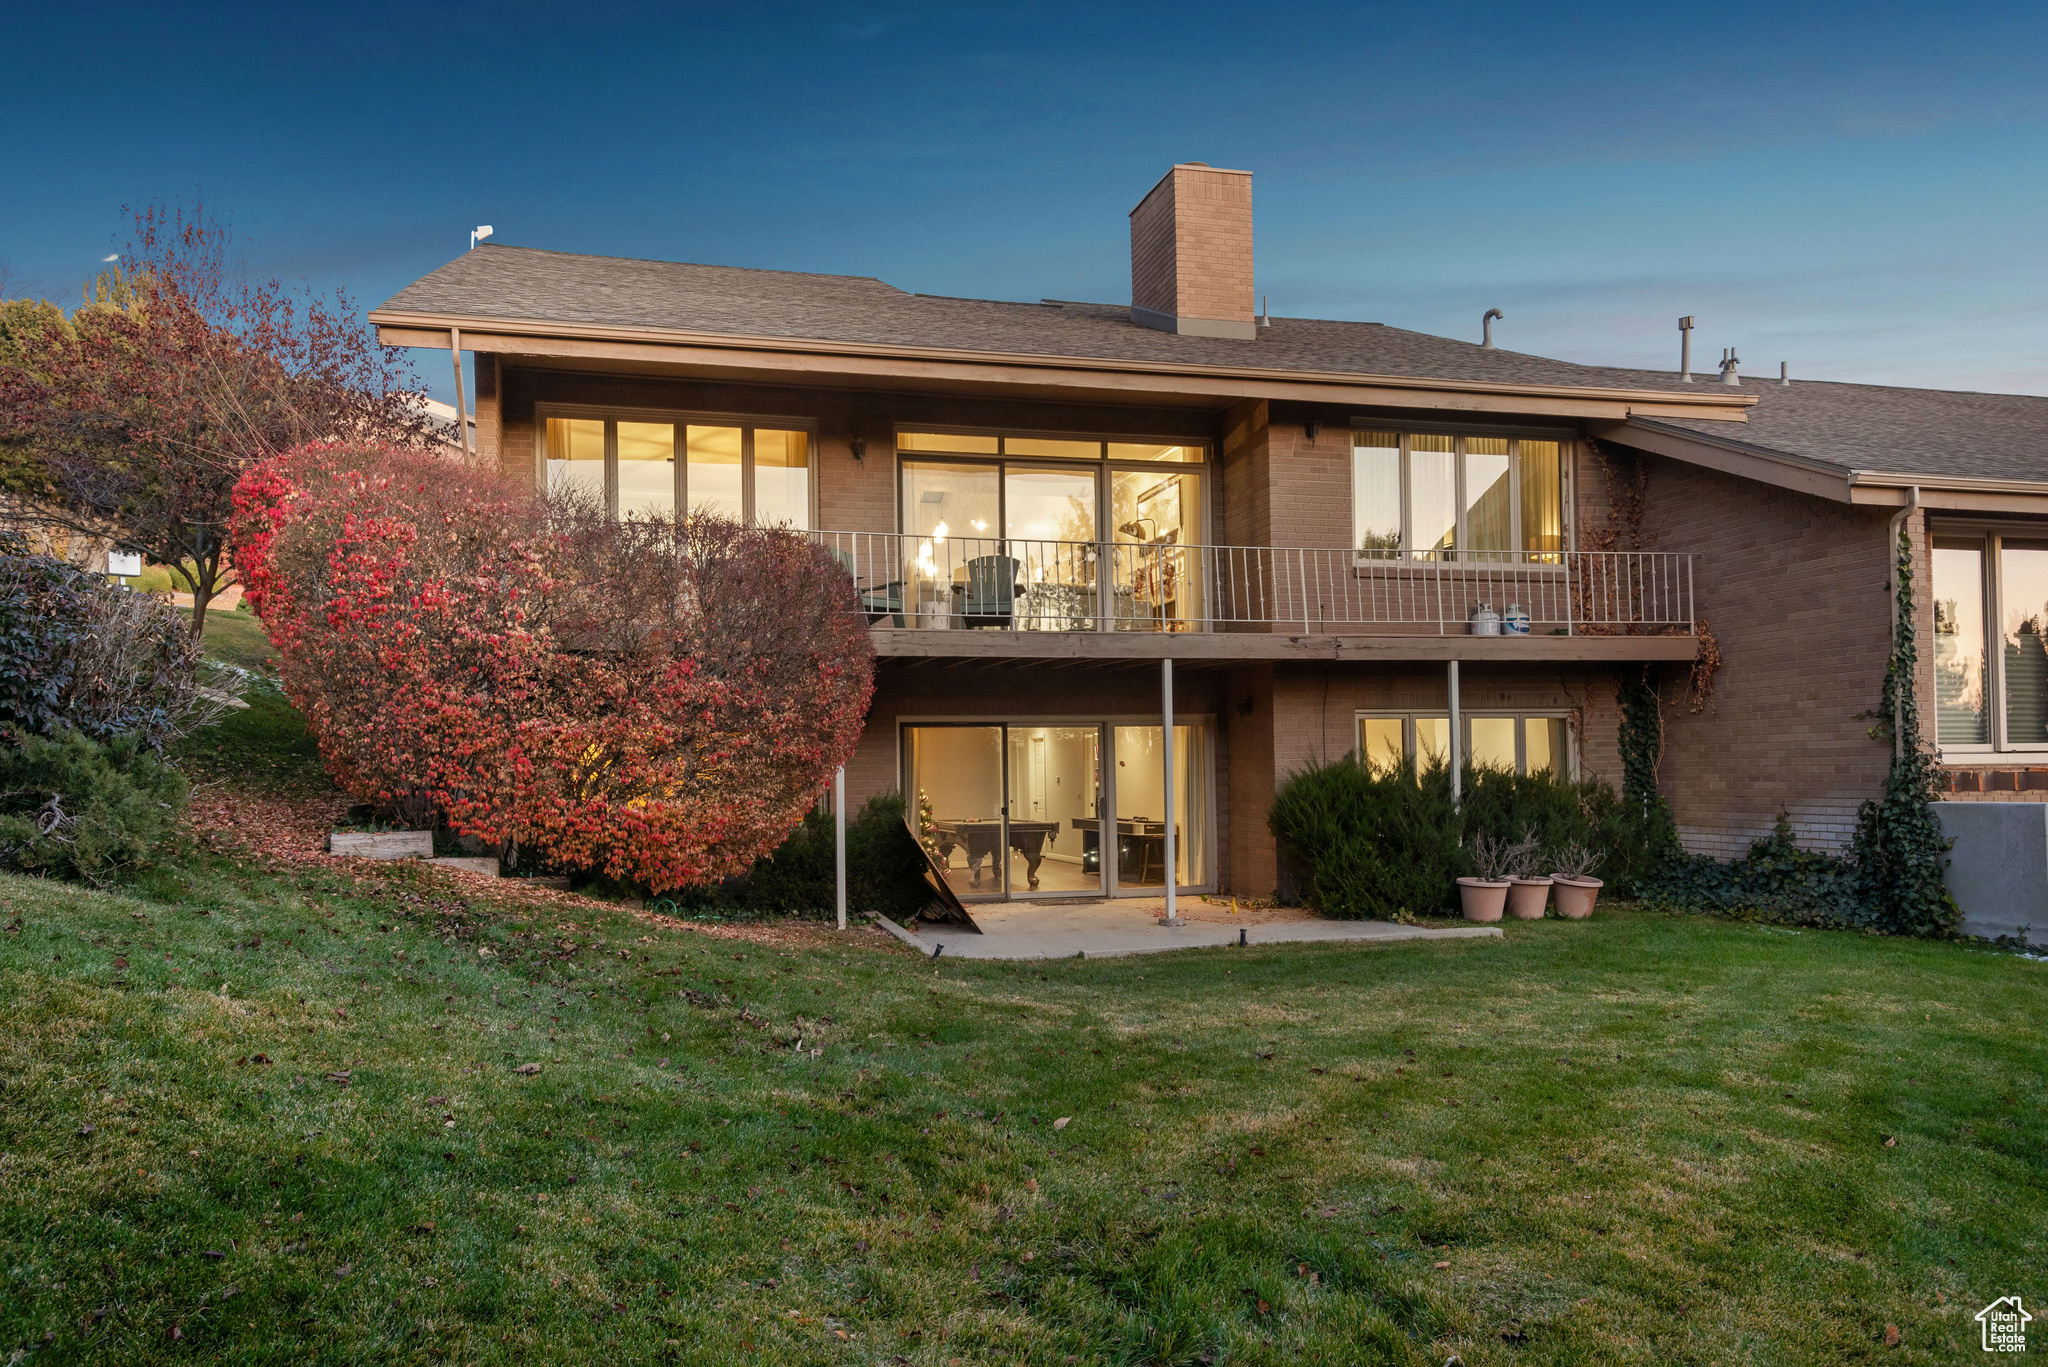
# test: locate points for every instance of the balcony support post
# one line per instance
(839, 841)
(1457, 736)
(1172, 917)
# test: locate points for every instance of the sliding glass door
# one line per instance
(1055, 809)
(1023, 809)
(956, 777)
(1142, 809)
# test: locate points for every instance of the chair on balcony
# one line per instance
(989, 597)
(877, 602)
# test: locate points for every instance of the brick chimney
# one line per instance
(1191, 254)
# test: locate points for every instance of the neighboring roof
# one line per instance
(517, 284)
(1888, 429)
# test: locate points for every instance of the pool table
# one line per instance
(983, 840)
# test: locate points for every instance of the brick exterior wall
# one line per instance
(1191, 245)
(489, 413)
(1795, 590)
(1794, 587)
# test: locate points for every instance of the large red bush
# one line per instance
(655, 701)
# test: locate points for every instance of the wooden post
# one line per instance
(461, 406)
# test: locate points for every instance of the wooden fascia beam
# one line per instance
(1730, 458)
(1123, 379)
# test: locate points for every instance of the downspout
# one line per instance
(1892, 553)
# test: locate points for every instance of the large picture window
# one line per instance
(1990, 639)
(1051, 533)
(1519, 742)
(1441, 496)
(751, 473)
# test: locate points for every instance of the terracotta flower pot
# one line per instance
(1575, 897)
(1528, 897)
(1482, 901)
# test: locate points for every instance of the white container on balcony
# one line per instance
(1485, 621)
(1516, 622)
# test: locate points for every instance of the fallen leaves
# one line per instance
(1062, 1122)
(527, 1069)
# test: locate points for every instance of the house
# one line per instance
(1302, 536)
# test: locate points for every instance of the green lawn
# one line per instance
(1641, 1139)
(265, 745)
(264, 1114)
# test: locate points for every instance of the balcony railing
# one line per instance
(1012, 584)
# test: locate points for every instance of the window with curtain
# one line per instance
(1440, 496)
(630, 465)
(1518, 743)
(576, 458)
(1990, 650)
(2023, 616)
(1961, 717)
(1376, 495)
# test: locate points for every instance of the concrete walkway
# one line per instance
(1101, 930)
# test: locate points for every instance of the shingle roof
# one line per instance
(1891, 430)
(523, 283)
(1877, 428)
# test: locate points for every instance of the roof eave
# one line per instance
(1840, 484)
(430, 330)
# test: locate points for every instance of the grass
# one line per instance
(1643, 1139)
(267, 744)
(255, 1114)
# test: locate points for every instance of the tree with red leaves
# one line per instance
(133, 419)
(653, 701)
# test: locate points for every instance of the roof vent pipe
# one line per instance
(1265, 310)
(1486, 326)
(1785, 373)
(1685, 349)
(1729, 361)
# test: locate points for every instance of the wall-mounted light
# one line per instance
(1312, 427)
(859, 447)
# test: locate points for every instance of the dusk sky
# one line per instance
(1856, 189)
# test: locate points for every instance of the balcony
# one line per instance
(985, 596)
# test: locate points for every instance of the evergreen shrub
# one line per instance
(1391, 844)
(75, 807)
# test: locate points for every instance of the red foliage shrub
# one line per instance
(655, 701)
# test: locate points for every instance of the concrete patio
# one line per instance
(1100, 929)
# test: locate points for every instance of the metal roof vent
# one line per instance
(1729, 360)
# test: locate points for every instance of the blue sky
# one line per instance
(1856, 189)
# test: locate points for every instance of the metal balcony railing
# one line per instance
(1012, 584)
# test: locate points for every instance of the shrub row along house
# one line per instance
(1340, 535)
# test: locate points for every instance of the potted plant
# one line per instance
(1571, 873)
(1482, 898)
(1528, 891)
